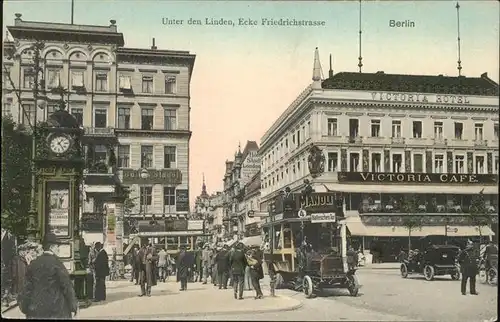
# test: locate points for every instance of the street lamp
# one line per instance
(40, 100)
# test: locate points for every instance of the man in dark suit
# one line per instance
(468, 260)
(183, 267)
(101, 265)
(48, 292)
(147, 274)
(222, 267)
(238, 264)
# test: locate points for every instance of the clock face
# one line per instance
(60, 144)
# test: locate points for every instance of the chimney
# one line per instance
(18, 18)
(154, 47)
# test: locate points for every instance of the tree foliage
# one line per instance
(16, 177)
(412, 220)
(479, 215)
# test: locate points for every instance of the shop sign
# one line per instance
(146, 226)
(176, 225)
(320, 218)
(195, 225)
(316, 202)
(439, 178)
(151, 176)
(182, 200)
(92, 222)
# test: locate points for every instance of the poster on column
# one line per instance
(58, 208)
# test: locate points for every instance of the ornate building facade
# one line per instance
(133, 104)
(382, 136)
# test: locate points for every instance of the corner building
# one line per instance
(384, 136)
(134, 105)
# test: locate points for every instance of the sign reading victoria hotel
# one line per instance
(420, 98)
(440, 178)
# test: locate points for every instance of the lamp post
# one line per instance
(39, 98)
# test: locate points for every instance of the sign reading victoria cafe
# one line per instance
(432, 178)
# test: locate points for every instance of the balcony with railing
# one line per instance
(480, 143)
(376, 140)
(440, 141)
(398, 140)
(355, 139)
(103, 135)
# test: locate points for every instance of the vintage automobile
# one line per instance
(436, 260)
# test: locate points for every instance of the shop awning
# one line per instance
(252, 241)
(359, 229)
(427, 188)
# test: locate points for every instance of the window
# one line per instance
(496, 165)
(353, 128)
(170, 119)
(397, 162)
(28, 78)
(101, 82)
(495, 131)
(147, 118)
(376, 162)
(293, 138)
(123, 156)
(418, 163)
(170, 84)
(53, 78)
(396, 129)
(438, 130)
(146, 156)
(375, 128)
(169, 198)
(124, 118)
(417, 129)
(146, 198)
(298, 138)
(479, 164)
(77, 79)
(100, 118)
(7, 107)
(147, 84)
(354, 162)
(51, 108)
(332, 161)
(169, 157)
(438, 163)
(100, 153)
(28, 114)
(478, 131)
(78, 114)
(124, 82)
(459, 130)
(286, 143)
(459, 164)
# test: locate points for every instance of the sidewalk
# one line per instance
(167, 301)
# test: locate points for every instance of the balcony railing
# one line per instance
(99, 168)
(440, 141)
(99, 131)
(480, 143)
(355, 139)
(397, 140)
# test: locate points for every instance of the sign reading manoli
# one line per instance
(141, 176)
(441, 178)
(420, 98)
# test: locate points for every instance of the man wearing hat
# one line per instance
(468, 260)
(238, 264)
(222, 261)
(48, 292)
(206, 258)
(101, 271)
(183, 268)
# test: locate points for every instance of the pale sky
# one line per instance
(245, 77)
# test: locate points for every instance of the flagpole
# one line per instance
(459, 62)
(72, 10)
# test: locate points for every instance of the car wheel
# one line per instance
(353, 285)
(429, 272)
(307, 287)
(404, 271)
(492, 276)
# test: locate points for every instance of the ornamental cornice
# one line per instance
(400, 105)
